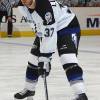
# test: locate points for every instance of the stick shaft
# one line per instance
(45, 87)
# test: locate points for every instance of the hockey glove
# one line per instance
(44, 66)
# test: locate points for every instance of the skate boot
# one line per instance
(81, 97)
(24, 94)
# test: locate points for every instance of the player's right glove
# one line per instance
(44, 66)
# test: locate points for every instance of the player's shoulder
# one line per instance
(45, 11)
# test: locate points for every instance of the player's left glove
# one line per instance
(44, 66)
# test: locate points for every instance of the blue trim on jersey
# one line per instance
(68, 31)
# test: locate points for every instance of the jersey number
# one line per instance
(49, 32)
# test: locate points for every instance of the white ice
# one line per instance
(14, 53)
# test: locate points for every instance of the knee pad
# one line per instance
(32, 72)
(73, 72)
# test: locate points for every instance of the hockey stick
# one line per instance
(45, 86)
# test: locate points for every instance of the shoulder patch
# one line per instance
(48, 17)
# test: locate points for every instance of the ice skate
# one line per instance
(24, 94)
(81, 97)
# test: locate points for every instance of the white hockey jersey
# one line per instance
(47, 18)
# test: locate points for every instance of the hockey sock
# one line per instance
(73, 72)
(78, 88)
(30, 86)
(31, 77)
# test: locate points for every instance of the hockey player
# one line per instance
(56, 26)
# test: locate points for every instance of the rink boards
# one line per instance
(89, 19)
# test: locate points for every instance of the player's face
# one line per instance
(27, 2)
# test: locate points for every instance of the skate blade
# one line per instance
(28, 98)
(17, 99)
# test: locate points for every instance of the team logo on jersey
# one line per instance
(63, 47)
(48, 17)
